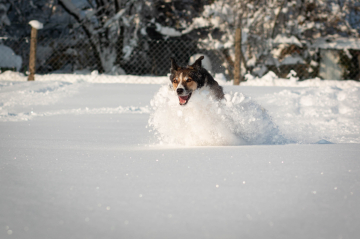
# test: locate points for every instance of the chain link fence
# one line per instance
(73, 54)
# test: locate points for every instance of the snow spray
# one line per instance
(204, 121)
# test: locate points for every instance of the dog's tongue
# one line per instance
(182, 99)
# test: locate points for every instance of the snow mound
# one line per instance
(9, 59)
(311, 115)
(204, 121)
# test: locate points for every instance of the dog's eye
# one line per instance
(175, 81)
(188, 80)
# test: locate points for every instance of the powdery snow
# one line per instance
(204, 121)
(82, 164)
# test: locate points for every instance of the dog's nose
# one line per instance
(180, 90)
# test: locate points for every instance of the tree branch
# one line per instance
(277, 17)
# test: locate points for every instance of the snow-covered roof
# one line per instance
(337, 43)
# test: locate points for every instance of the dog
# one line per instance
(185, 80)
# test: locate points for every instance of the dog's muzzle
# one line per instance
(183, 99)
(179, 91)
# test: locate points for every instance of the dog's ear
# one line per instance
(197, 63)
(174, 66)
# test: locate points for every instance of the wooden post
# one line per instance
(237, 64)
(358, 76)
(32, 57)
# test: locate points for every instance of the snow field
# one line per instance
(77, 161)
(286, 115)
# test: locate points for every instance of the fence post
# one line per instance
(35, 25)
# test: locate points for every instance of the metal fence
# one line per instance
(69, 54)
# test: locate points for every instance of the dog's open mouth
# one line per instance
(184, 99)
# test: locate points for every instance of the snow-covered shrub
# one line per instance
(9, 59)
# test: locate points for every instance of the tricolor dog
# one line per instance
(185, 80)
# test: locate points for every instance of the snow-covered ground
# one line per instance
(116, 157)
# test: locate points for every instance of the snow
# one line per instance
(292, 76)
(336, 43)
(9, 59)
(280, 39)
(36, 24)
(292, 60)
(329, 66)
(251, 62)
(270, 79)
(78, 160)
(234, 121)
(94, 77)
(206, 62)
(197, 22)
(167, 31)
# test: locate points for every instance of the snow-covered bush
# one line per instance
(9, 59)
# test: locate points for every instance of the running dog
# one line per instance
(187, 79)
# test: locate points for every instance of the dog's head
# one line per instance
(186, 79)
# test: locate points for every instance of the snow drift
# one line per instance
(312, 114)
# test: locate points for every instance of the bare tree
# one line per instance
(105, 26)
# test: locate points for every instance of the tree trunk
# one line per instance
(237, 64)
(230, 65)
